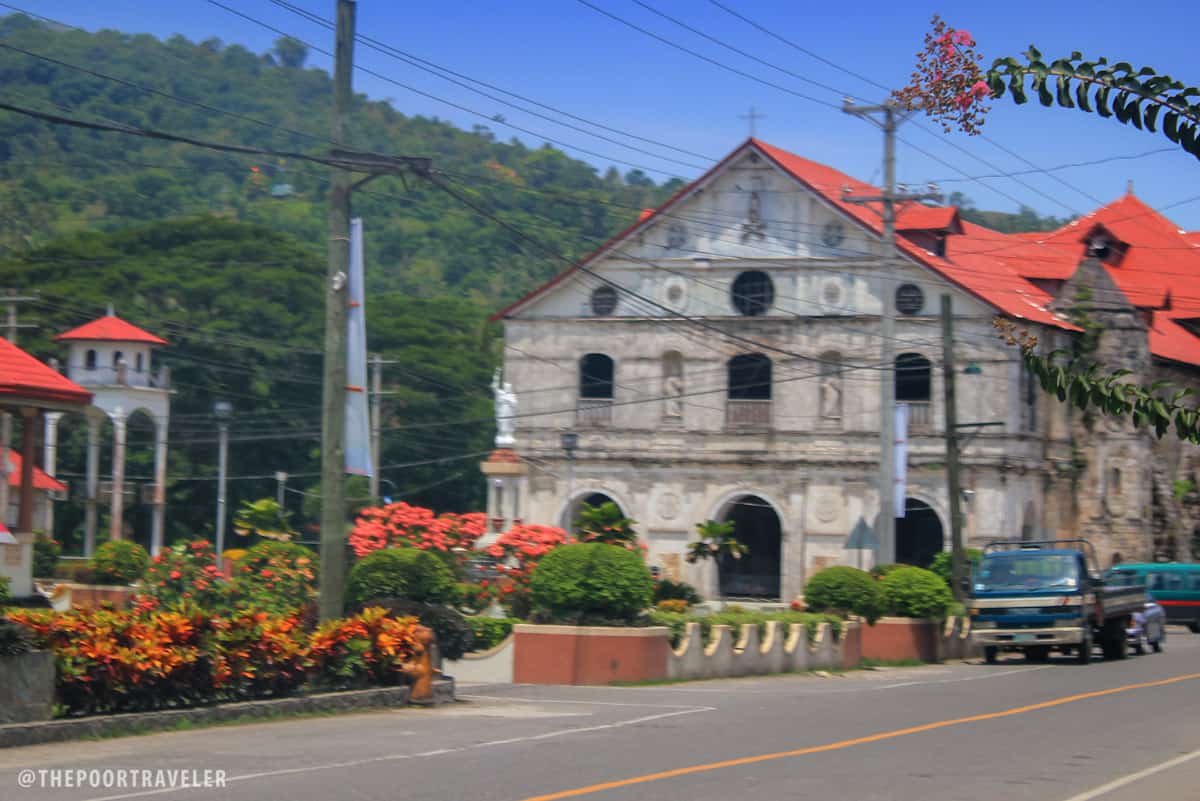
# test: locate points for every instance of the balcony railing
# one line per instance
(748, 413)
(594, 412)
(920, 415)
(119, 376)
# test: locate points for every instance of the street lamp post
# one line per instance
(570, 441)
(222, 410)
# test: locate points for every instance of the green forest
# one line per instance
(223, 255)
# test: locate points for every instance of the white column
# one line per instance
(160, 483)
(94, 419)
(117, 530)
(5, 443)
(50, 462)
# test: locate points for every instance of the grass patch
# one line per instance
(872, 664)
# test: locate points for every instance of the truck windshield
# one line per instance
(1026, 571)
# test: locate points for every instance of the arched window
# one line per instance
(89, 360)
(117, 357)
(914, 387)
(913, 378)
(753, 293)
(138, 363)
(596, 377)
(750, 377)
(1114, 483)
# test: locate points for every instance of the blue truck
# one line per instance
(1039, 597)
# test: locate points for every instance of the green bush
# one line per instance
(941, 562)
(591, 583)
(45, 556)
(15, 639)
(490, 631)
(5, 596)
(879, 571)
(119, 562)
(402, 573)
(845, 589)
(916, 592)
(667, 590)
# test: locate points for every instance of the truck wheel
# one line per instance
(1084, 656)
(1162, 637)
(1139, 647)
(1114, 644)
(1194, 626)
(989, 654)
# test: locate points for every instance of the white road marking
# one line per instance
(1117, 784)
(825, 690)
(675, 711)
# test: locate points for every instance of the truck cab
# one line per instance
(1038, 597)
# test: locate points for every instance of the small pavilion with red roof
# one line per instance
(112, 358)
(28, 389)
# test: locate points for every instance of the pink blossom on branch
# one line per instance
(947, 83)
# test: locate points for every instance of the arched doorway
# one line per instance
(570, 513)
(919, 536)
(757, 526)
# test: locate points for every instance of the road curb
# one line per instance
(15, 735)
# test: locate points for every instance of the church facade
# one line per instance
(721, 359)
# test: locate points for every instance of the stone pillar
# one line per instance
(504, 472)
(5, 443)
(117, 529)
(93, 482)
(50, 462)
(160, 484)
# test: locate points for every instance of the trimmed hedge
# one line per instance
(119, 562)
(843, 589)
(591, 582)
(406, 573)
(916, 592)
(491, 631)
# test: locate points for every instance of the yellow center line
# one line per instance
(841, 744)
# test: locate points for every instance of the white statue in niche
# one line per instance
(673, 385)
(506, 411)
(831, 396)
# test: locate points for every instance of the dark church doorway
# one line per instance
(919, 535)
(757, 574)
(571, 513)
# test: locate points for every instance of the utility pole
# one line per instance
(222, 411)
(333, 396)
(333, 402)
(887, 117)
(957, 561)
(376, 424)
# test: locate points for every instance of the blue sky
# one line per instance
(564, 54)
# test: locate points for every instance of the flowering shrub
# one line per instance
(402, 525)
(517, 552)
(119, 562)
(677, 605)
(476, 597)
(948, 84)
(187, 571)
(275, 577)
(369, 648)
(123, 661)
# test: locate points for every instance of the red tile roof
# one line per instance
(110, 328)
(24, 378)
(1161, 265)
(41, 480)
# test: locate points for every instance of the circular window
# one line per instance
(676, 235)
(833, 234)
(909, 299)
(604, 301)
(674, 293)
(753, 293)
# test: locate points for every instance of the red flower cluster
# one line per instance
(517, 552)
(947, 83)
(399, 524)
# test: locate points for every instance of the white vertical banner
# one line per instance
(358, 418)
(900, 473)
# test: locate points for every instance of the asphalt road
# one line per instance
(1115, 731)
